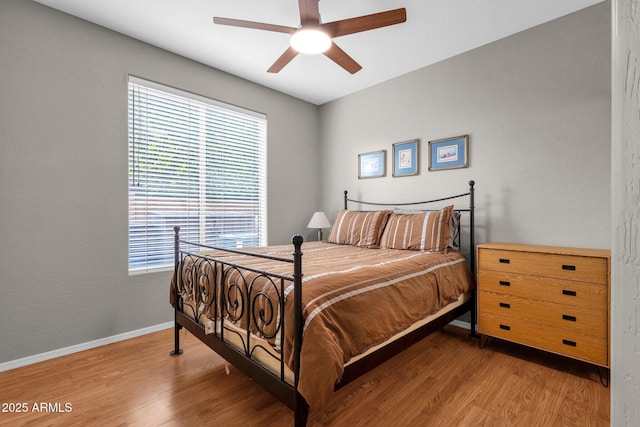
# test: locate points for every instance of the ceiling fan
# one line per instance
(314, 36)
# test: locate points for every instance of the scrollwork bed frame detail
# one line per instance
(237, 301)
(237, 298)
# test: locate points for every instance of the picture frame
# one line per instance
(372, 165)
(449, 153)
(405, 158)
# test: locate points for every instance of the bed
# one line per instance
(382, 280)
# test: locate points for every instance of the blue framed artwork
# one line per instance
(449, 153)
(372, 165)
(405, 158)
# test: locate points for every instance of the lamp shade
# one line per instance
(319, 220)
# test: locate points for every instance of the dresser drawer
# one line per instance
(576, 319)
(568, 343)
(570, 267)
(579, 294)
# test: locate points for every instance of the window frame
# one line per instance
(249, 152)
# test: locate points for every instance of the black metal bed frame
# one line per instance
(238, 296)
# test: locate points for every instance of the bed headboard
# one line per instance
(420, 206)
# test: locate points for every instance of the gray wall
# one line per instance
(63, 175)
(536, 106)
(625, 161)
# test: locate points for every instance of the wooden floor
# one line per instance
(444, 380)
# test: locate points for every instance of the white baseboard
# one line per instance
(12, 364)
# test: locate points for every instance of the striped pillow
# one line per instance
(358, 228)
(426, 231)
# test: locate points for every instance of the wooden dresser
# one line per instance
(551, 298)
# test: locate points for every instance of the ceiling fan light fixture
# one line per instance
(310, 41)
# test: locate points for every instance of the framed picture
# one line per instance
(405, 158)
(449, 153)
(372, 165)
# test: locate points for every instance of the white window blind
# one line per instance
(196, 163)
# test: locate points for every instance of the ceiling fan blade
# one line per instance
(340, 57)
(284, 59)
(255, 25)
(309, 13)
(365, 23)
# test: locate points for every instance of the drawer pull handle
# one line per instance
(570, 293)
(569, 318)
(505, 260)
(504, 283)
(505, 305)
(570, 343)
(568, 267)
(505, 327)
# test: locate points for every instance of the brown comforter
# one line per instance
(353, 298)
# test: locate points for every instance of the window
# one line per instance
(196, 163)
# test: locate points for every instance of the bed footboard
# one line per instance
(224, 304)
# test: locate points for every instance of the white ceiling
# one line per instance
(435, 30)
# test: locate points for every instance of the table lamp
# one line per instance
(319, 220)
